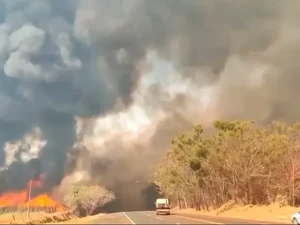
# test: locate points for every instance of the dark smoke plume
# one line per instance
(64, 60)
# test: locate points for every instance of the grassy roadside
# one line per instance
(44, 218)
(36, 218)
(270, 213)
(16, 216)
(84, 220)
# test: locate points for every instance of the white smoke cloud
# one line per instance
(129, 75)
(24, 43)
(66, 46)
(24, 149)
(135, 126)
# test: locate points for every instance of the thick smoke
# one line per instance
(64, 60)
(49, 76)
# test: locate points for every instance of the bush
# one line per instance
(88, 197)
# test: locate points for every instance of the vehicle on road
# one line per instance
(162, 206)
(296, 218)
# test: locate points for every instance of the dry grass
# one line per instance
(271, 213)
(84, 220)
(36, 218)
(15, 217)
(44, 218)
(8, 217)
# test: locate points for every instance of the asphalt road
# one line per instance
(149, 217)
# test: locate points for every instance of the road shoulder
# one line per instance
(221, 219)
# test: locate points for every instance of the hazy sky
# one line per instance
(101, 83)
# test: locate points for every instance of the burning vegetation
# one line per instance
(31, 196)
(133, 83)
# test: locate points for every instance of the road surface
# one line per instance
(149, 217)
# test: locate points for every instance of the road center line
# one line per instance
(204, 221)
(131, 221)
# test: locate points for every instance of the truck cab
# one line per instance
(162, 206)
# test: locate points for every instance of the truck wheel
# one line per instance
(295, 221)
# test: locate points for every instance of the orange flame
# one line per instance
(20, 199)
(13, 198)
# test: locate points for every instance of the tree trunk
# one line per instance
(185, 202)
(178, 201)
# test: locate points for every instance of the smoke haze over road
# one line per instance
(94, 90)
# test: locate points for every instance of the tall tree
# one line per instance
(240, 161)
(88, 197)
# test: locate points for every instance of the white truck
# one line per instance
(162, 206)
(295, 218)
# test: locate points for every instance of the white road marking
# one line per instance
(204, 221)
(144, 213)
(159, 218)
(131, 221)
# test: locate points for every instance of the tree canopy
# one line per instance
(88, 197)
(239, 161)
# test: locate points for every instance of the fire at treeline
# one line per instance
(30, 196)
(58, 64)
